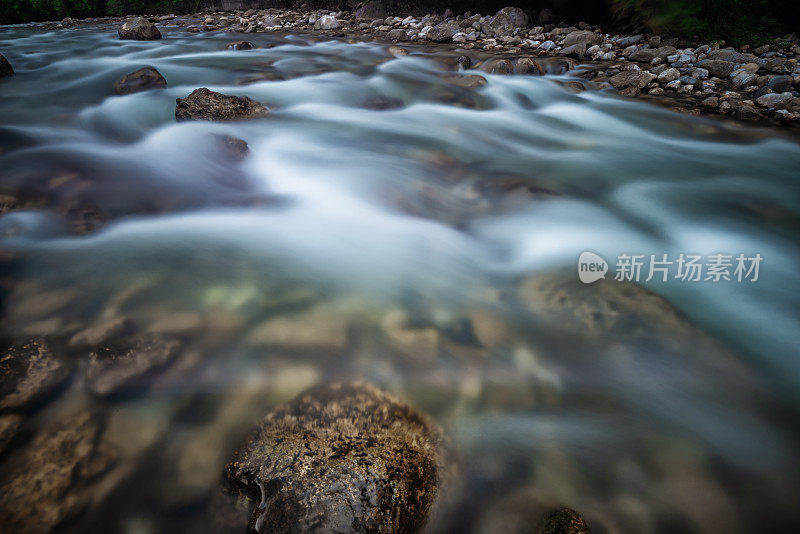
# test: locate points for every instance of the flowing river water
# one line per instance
(431, 248)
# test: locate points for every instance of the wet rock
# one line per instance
(323, 328)
(712, 102)
(647, 55)
(234, 147)
(507, 21)
(51, 478)
(124, 365)
(9, 428)
(241, 45)
(341, 458)
(528, 65)
(562, 521)
(139, 29)
(381, 103)
(669, 75)
(717, 67)
(5, 67)
(464, 62)
(498, 66)
(398, 51)
(101, 333)
(29, 371)
(469, 81)
(203, 104)
(582, 36)
(142, 80)
(326, 22)
(631, 78)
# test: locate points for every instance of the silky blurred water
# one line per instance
(406, 208)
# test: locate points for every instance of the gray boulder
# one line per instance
(576, 51)
(780, 83)
(240, 45)
(340, 458)
(139, 29)
(728, 54)
(5, 67)
(507, 21)
(776, 100)
(443, 32)
(582, 36)
(631, 78)
(143, 79)
(203, 104)
(717, 67)
(647, 55)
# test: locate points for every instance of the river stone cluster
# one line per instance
(748, 83)
(343, 457)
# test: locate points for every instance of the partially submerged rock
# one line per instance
(143, 79)
(139, 29)
(29, 371)
(50, 480)
(10, 425)
(381, 103)
(469, 81)
(203, 104)
(562, 521)
(631, 78)
(340, 458)
(117, 368)
(241, 45)
(5, 67)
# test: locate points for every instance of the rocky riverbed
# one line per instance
(751, 82)
(314, 280)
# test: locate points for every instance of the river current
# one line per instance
(429, 248)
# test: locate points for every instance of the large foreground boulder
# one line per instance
(139, 29)
(340, 458)
(204, 104)
(5, 67)
(142, 80)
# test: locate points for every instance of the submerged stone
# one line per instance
(240, 45)
(51, 478)
(117, 368)
(143, 79)
(29, 371)
(340, 458)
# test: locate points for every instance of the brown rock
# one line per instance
(527, 65)
(340, 458)
(631, 78)
(28, 372)
(49, 481)
(115, 369)
(562, 521)
(9, 428)
(142, 80)
(469, 81)
(203, 104)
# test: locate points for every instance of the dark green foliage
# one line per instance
(737, 21)
(15, 11)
